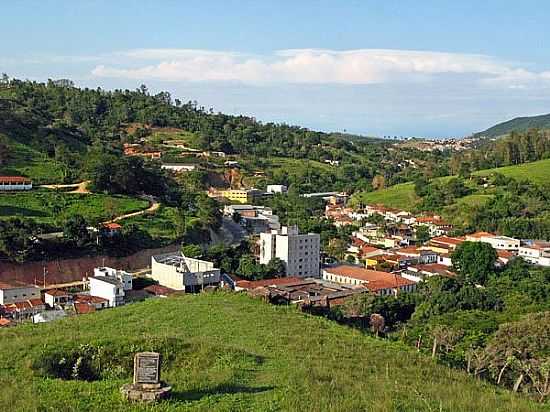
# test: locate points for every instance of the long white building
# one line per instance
(300, 252)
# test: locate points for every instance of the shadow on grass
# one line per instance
(218, 390)
(12, 211)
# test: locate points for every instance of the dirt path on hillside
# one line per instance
(81, 187)
(153, 207)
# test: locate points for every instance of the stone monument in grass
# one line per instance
(147, 386)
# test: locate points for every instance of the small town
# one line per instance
(385, 258)
(275, 206)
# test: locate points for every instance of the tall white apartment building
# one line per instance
(299, 252)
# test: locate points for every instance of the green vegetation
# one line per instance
(491, 322)
(400, 196)
(25, 161)
(537, 172)
(160, 226)
(519, 124)
(229, 352)
(50, 207)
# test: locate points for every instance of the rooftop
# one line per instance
(14, 179)
(15, 284)
(107, 279)
(375, 279)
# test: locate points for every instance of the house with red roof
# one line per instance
(12, 183)
(382, 283)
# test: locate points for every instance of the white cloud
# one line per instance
(315, 66)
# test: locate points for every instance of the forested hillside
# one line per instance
(519, 124)
(57, 123)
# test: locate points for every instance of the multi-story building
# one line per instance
(178, 272)
(242, 195)
(109, 288)
(125, 278)
(300, 252)
(256, 219)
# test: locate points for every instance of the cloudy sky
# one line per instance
(408, 68)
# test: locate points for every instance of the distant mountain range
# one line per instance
(519, 124)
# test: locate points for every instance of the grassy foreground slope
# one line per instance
(229, 352)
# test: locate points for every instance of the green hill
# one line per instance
(537, 172)
(519, 124)
(229, 352)
(403, 196)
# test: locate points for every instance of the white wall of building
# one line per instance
(300, 252)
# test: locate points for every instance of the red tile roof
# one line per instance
(253, 284)
(14, 179)
(14, 284)
(56, 292)
(447, 240)
(375, 279)
(82, 308)
(89, 299)
(112, 226)
(369, 249)
(478, 235)
(4, 322)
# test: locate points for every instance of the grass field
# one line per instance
(227, 352)
(47, 206)
(402, 195)
(160, 225)
(537, 172)
(28, 162)
(399, 196)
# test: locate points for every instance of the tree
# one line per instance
(444, 337)
(75, 229)
(474, 261)
(275, 268)
(378, 182)
(337, 248)
(422, 234)
(192, 251)
(377, 323)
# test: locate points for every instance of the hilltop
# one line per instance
(230, 352)
(518, 124)
(403, 195)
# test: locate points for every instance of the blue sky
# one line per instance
(429, 68)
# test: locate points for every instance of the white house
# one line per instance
(108, 288)
(497, 242)
(9, 183)
(536, 252)
(56, 297)
(178, 167)
(277, 189)
(300, 252)
(179, 272)
(124, 277)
